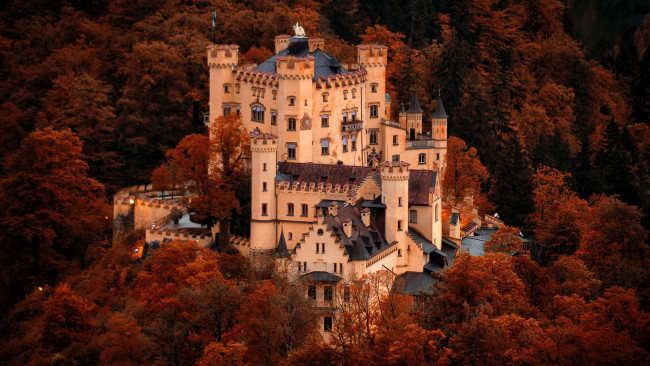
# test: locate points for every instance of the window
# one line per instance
(422, 158)
(325, 96)
(345, 117)
(264, 213)
(290, 236)
(237, 88)
(399, 225)
(325, 120)
(399, 252)
(345, 144)
(413, 216)
(292, 101)
(317, 248)
(345, 95)
(291, 124)
(226, 110)
(237, 110)
(327, 293)
(354, 93)
(289, 209)
(437, 156)
(354, 142)
(395, 159)
(311, 292)
(263, 167)
(373, 88)
(340, 267)
(304, 265)
(257, 114)
(274, 118)
(399, 201)
(354, 115)
(275, 94)
(373, 137)
(324, 147)
(322, 245)
(437, 212)
(346, 294)
(226, 88)
(305, 210)
(374, 111)
(327, 324)
(263, 186)
(394, 139)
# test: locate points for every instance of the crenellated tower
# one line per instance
(439, 133)
(221, 60)
(394, 192)
(263, 200)
(414, 118)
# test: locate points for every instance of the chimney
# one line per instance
(315, 44)
(281, 42)
(365, 216)
(333, 208)
(374, 163)
(347, 227)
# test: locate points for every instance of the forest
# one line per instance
(549, 128)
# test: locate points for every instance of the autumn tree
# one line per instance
(506, 240)
(52, 211)
(464, 174)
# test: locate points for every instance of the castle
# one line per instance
(338, 189)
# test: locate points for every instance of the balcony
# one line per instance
(354, 125)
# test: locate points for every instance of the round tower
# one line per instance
(439, 133)
(395, 195)
(263, 200)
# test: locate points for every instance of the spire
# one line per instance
(440, 109)
(415, 105)
(281, 250)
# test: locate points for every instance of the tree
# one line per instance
(463, 177)
(506, 240)
(256, 55)
(217, 354)
(124, 343)
(52, 211)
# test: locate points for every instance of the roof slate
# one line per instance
(324, 64)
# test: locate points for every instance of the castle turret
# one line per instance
(221, 60)
(439, 134)
(374, 59)
(394, 192)
(414, 118)
(263, 200)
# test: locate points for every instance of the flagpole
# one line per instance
(214, 27)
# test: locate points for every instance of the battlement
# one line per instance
(148, 201)
(341, 80)
(262, 142)
(256, 77)
(202, 237)
(395, 170)
(291, 67)
(221, 56)
(372, 55)
(345, 190)
(316, 44)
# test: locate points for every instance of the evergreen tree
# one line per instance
(585, 182)
(640, 91)
(513, 185)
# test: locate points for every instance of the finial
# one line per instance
(299, 31)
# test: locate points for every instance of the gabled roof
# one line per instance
(364, 241)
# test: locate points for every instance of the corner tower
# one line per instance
(439, 133)
(414, 118)
(221, 60)
(263, 201)
(395, 195)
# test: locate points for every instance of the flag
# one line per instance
(214, 19)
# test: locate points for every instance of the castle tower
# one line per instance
(394, 192)
(221, 60)
(263, 201)
(414, 118)
(439, 133)
(374, 59)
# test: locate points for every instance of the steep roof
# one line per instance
(420, 183)
(324, 64)
(324, 173)
(414, 107)
(364, 241)
(415, 282)
(281, 250)
(440, 110)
